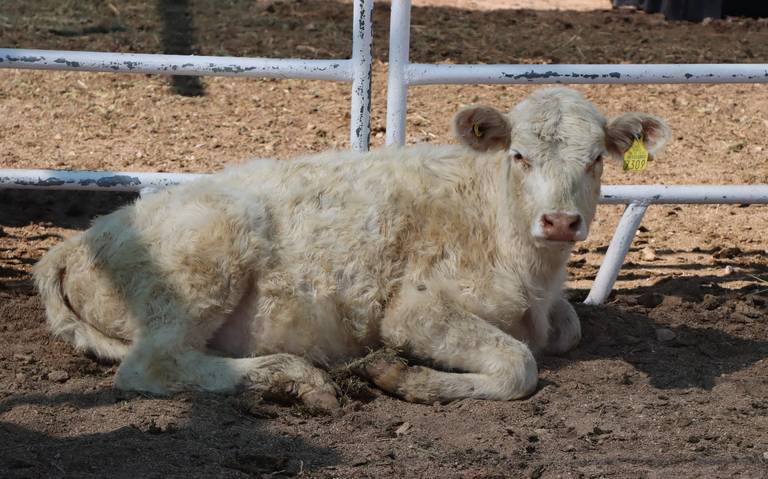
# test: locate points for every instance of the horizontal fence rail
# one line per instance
(91, 180)
(426, 74)
(340, 70)
(684, 194)
(403, 74)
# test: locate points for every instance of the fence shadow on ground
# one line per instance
(213, 438)
(696, 355)
(695, 358)
(66, 209)
(179, 39)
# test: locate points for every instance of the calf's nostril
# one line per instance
(560, 226)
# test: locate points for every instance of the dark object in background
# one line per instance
(746, 8)
(692, 10)
(652, 6)
(698, 10)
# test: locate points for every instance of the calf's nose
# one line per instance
(560, 226)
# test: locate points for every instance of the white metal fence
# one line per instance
(403, 74)
(356, 70)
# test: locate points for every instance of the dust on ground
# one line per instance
(670, 379)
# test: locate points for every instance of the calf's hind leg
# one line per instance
(494, 365)
(194, 280)
(159, 363)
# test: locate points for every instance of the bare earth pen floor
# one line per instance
(671, 379)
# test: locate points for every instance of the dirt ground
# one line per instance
(670, 380)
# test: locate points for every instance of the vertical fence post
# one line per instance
(617, 251)
(362, 42)
(397, 83)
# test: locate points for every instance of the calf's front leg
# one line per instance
(490, 363)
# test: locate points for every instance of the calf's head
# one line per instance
(556, 141)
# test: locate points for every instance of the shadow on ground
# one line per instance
(66, 209)
(212, 438)
(683, 332)
(179, 38)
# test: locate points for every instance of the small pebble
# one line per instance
(650, 300)
(711, 301)
(58, 376)
(730, 252)
(671, 301)
(649, 254)
(664, 334)
(24, 358)
(404, 427)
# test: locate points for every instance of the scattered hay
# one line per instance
(350, 377)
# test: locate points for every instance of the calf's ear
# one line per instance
(482, 128)
(622, 131)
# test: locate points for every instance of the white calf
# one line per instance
(255, 276)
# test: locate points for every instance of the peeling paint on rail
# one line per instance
(429, 74)
(335, 70)
(90, 180)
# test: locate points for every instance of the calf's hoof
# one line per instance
(315, 396)
(320, 400)
(385, 373)
(383, 367)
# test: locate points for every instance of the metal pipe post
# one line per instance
(397, 83)
(616, 253)
(362, 42)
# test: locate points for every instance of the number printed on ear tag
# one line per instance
(636, 157)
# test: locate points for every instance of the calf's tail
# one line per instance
(64, 321)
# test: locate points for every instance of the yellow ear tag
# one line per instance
(636, 157)
(476, 130)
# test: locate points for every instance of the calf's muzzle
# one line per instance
(561, 226)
